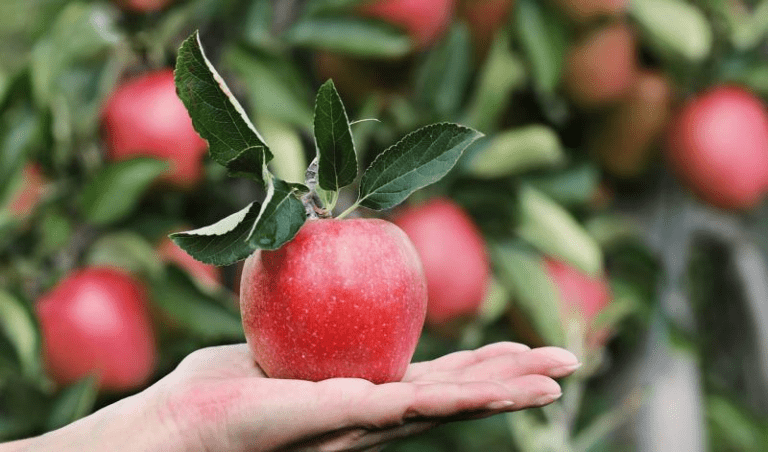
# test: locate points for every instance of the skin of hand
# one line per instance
(219, 399)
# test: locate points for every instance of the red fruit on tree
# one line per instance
(626, 140)
(601, 69)
(144, 117)
(582, 297)
(208, 275)
(583, 11)
(95, 322)
(454, 257)
(718, 145)
(29, 192)
(143, 6)
(484, 18)
(425, 21)
(344, 298)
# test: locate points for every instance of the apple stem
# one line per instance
(348, 211)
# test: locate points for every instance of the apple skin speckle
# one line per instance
(344, 298)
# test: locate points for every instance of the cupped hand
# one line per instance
(219, 399)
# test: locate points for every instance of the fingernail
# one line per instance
(565, 370)
(547, 399)
(499, 405)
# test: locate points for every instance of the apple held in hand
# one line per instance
(144, 117)
(453, 253)
(344, 298)
(95, 322)
(718, 145)
(425, 21)
(582, 298)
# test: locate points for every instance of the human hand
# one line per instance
(219, 399)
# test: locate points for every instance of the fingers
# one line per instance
(550, 361)
(463, 358)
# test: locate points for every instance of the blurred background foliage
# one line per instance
(582, 177)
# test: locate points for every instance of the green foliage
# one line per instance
(336, 158)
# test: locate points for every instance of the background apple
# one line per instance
(425, 21)
(601, 68)
(583, 11)
(582, 297)
(454, 257)
(145, 117)
(29, 192)
(718, 145)
(95, 321)
(344, 298)
(484, 18)
(625, 141)
(143, 6)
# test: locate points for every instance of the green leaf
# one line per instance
(73, 403)
(224, 242)
(281, 217)
(674, 28)
(273, 86)
(750, 32)
(217, 116)
(126, 250)
(290, 164)
(337, 162)
(419, 159)
(502, 72)
(516, 151)
(350, 36)
(544, 39)
(572, 186)
(179, 298)
(115, 190)
(551, 229)
(523, 273)
(442, 80)
(19, 326)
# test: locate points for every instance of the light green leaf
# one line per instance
(551, 229)
(516, 151)
(115, 190)
(290, 164)
(217, 116)
(126, 250)
(349, 35)
(336, 159)
(545, 41)
(572, 186)
(674, 28)
(419, 159)
(18, 325)
(224, 242)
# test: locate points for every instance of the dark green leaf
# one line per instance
(275, 88)
(18, 325)
(351, 36)
(280, 219)
(573, 186)
(421, 158)
(20, 130)
(179, 298)
(224, 242)
(545, 40)
(442, 80)
(115, 190)
(337, 162)
(73, 403)
(217, 116)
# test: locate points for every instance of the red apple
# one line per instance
(453, 253)
(143, 6)
(484, 18)
(601, 68)
(583, 11)
(627, 139)
(344, 298)
(718, 145)
(29, 192)
(95, 321)
(582, 297)
(425, 21)
(208, 275)
(145, 117)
